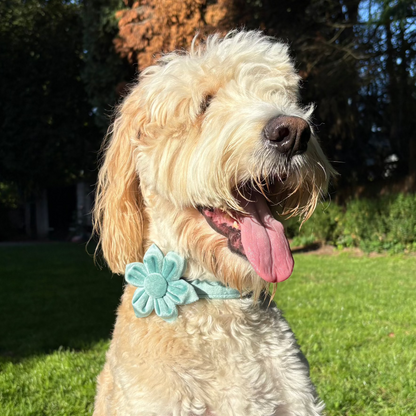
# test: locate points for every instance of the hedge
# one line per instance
(386, 223)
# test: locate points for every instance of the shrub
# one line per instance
(385, 223)
(402, 219)
(322, 226)
(363, 221)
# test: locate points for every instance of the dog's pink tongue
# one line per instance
(264, 241)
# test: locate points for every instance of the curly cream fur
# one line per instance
(165, 156)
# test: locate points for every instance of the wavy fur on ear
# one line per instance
(118, 212)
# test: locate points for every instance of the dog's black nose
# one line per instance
(289, 135)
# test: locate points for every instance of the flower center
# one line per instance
(155, 285)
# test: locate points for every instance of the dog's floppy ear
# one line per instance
(118, 211)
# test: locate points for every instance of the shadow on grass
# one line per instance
(306, 249)
(53, 296)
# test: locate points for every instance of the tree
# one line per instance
(150, 27)
(47, 131)
(105, 75)
(389, 96)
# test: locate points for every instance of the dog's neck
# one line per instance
(161, 287)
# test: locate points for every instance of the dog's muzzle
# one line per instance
(289, 135)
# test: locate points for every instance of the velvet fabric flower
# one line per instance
(159, 284)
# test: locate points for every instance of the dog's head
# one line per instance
(205, 151)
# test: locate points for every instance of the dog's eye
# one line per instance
(205, 103)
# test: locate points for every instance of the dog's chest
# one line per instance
(219, 358)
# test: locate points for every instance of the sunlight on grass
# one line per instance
(60, 383)
(355, 321)
(353, 316)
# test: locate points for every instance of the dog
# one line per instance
(209, 153)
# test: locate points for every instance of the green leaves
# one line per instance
(382, 224)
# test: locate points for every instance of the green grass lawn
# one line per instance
(354, 318)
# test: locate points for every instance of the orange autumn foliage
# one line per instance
(148, 27)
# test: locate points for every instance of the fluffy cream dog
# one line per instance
(203, 150)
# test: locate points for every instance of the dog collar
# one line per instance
(161, 287)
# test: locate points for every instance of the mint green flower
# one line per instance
(159, 284)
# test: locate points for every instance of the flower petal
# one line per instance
(166, 310)
(135, 274)
(143, 304)
(153, 259)
(173, 266)
(182, 292)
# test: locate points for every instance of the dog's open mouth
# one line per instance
(257, 236)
